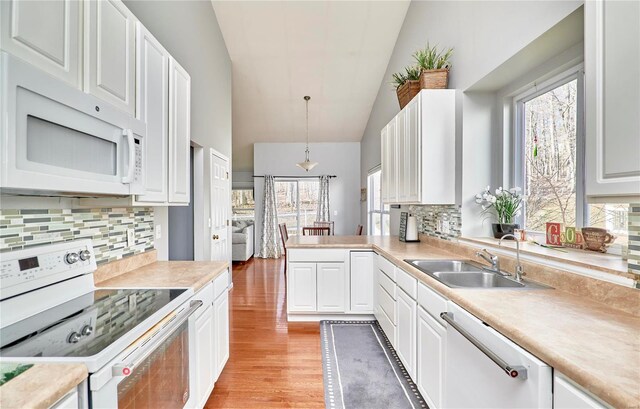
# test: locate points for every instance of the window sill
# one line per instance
(608, 267)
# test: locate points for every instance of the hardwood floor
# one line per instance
(272, 363)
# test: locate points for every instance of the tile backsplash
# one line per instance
(442, 221)
(107, 227)
(633, 255)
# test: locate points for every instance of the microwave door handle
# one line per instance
(135, 359)
(132, 155)
(513, 371)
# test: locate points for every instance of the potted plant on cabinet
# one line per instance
(407, 84)
(506, 204)
(434, 67)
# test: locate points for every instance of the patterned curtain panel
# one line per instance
(270, 239)
(323, 214)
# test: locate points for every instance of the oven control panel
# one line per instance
(30, 269)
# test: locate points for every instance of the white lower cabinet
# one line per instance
(204, 362)
(302, 287)
(330, 278)
(406, 332)
(69, 401)
(566, 395)
(221, 331)
(361, 281)
(430, 359)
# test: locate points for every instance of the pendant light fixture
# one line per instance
(307, 164)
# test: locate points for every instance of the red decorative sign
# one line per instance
(554, 233)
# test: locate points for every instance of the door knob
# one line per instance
(215, 237)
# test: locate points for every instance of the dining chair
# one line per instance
(284, 235)
(315, 231)
(330, 225)
(359, 230)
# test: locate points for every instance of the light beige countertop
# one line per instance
(41, 385)
(168, 274)
(573, 327)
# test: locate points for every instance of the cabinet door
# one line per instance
(401, 139)
(392, 160)
(568, 396)
(331, 287)
(430, 359)
(205, 359)
(221, 330)
(362, 289)
(384, 168)
(412, 146)
(109, 53)
(301, 288)
(152, 107)
(179, 133)
(406, 332)
(612, 103)
(46, 34)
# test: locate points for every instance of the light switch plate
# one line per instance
(131, 237)
(158, 231)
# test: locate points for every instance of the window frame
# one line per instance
(370, 199)
(297, 182)
(518, 140)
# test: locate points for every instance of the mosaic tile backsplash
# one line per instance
(107, 227)
(633, 256)
(441, 221)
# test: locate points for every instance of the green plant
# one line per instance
(430, 58)
(506, 203)
(411, 73)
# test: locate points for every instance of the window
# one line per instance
(378, 213)
(550, 159)
(242, 204)
(297, 202)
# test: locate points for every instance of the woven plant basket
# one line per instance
(407, 91)
(434, 79)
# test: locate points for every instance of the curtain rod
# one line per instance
(294, 177)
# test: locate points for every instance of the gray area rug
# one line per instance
(362, 370)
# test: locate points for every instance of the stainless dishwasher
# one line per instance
(484, 369)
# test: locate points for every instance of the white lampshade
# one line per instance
(307, 165)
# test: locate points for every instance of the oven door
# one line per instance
(58, 138)
(153, 372)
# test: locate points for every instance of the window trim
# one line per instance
(518, 172)
(370, 211)
(297, 181)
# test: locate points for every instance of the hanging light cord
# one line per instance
(307, 98)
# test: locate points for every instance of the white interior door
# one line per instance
(220, 203)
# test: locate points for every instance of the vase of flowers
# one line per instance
(506, 204)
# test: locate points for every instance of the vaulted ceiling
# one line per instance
(335, 51)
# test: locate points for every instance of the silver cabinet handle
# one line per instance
(136, 358)
(514, 371)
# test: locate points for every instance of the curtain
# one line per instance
(323, 214)
(270, 238)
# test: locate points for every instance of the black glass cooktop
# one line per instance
(83, 326)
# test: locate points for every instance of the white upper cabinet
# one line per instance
(179, 133)
(612, 98)
(418, 151)
(110, 53)
(47, 34)
(152, 106)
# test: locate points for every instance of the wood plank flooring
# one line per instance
(272, 363)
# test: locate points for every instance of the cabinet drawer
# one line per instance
(206, 296)
(386, 267)
(386, 283)
(387, 326)
(220, 284)
(387, 304)
(432, 302)
(408, 283)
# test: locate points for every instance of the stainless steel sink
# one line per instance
(469, 274)
(476, 279)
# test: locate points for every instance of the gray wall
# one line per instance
(189, 30)
(340, 159)
(484, 34)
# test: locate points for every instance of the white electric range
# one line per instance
(134, 342)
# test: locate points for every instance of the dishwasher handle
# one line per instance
(514, 371)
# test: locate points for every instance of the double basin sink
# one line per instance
(468, 274)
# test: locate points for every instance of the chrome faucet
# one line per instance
(519, 270)
(490, 258)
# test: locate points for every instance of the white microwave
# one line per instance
(58, 140)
